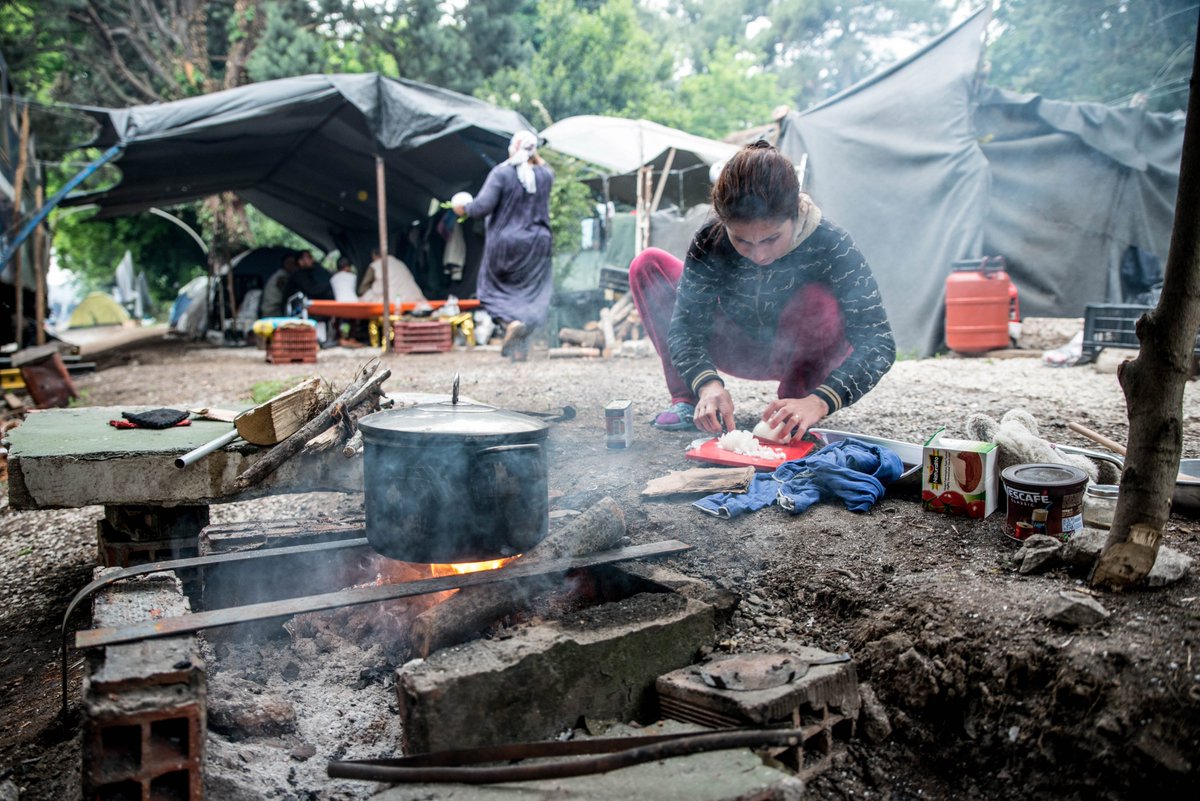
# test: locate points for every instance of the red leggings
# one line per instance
(810, 340)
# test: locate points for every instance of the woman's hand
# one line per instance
(794, 415)
(714, 409)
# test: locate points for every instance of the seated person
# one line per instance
(401, 285)
(344, 282)
(310, 278)
(275, 293)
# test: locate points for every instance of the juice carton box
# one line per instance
(958, 476)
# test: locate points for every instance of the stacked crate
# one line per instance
(293, 343)
(423, 336)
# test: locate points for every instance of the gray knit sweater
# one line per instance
(715, 277)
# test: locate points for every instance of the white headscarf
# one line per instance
(521, 148)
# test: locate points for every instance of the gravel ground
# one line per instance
(985, 698)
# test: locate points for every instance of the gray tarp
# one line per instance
(303, 151)
(924, 167)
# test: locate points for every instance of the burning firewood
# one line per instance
(471, 610)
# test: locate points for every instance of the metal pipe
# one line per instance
(206, 449)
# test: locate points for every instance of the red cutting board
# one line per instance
(709, 452)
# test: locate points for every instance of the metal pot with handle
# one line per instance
(454, 482)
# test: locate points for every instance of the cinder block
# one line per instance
(823, 702)
(143, 703)
(598, 663)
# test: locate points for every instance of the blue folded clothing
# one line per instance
(852, 471)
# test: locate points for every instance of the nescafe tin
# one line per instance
(1043, 499)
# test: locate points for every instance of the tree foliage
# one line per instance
(1108, 51)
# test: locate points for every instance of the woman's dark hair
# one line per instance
(757, 183)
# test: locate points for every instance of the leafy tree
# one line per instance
(587, 61)
(1108, 51)
(285, 49)
(730, 93)
(815, 47)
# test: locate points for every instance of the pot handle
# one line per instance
(527, 446)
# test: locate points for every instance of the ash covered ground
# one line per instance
(986, 699)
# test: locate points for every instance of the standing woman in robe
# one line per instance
(516, 278)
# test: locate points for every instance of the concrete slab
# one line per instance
(732, 775)
(67, 458)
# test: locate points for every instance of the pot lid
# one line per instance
(452, 418)
(1044, 475)
(455, 419)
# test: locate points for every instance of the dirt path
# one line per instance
(986, 699)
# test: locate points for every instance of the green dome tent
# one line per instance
(97, 309)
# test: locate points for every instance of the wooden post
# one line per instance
(40, 262)
(381, 192)
(662, 182)
(19, 185)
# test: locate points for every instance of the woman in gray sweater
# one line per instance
(769, 290)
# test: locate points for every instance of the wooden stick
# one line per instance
(572, 353)
(286, 449)
(1115, 446)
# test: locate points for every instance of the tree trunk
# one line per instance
(1153, 384)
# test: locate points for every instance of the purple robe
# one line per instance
(516, 277)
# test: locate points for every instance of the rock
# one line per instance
(1072, 608)
(916, 679)
(238, 712)
(1169, 566)
(1082, 550)
(9, 791)
(1039, 552)
(1084, 546)
(302, 752)
(874, 718)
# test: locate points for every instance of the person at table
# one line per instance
(345, 281)
(516, 276)
(401, 285)
(274, 291)
(310, 278)
(770, 290)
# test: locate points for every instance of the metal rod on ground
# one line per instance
(287, 607)
(205, 449)
(610, 759)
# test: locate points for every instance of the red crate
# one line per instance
(426, 336)
(290, 344)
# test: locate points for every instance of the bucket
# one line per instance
(1043, 499)
(981, 302)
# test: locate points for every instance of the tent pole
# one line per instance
(40, 254)
(381, 193)
(19, 186)
(662, 181)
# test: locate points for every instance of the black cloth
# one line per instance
(156, 418)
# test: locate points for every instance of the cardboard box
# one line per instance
(958, 476)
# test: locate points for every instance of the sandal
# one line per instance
(679, 417)
(514, 336)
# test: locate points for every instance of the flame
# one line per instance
(460, 568)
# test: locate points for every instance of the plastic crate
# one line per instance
(293, 344)
(427, 336)
(1113, 325)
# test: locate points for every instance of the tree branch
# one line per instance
(118, 60)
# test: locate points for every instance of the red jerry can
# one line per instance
(981, 303)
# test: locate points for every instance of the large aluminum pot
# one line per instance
(454, 482)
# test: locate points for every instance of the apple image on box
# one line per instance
(968, 471)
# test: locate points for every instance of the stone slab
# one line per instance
(599, 663)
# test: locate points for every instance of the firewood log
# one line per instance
(471, 610)
(576, 336)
